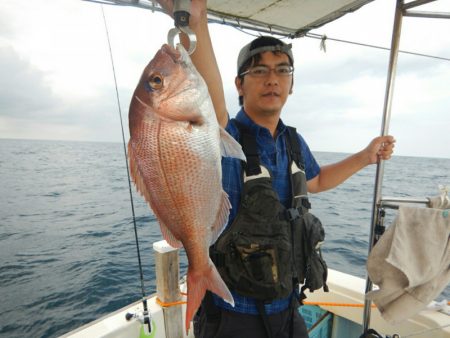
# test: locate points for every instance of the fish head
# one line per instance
(170, 88)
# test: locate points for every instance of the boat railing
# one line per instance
(395, 202)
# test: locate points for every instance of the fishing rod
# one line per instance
(145, 317)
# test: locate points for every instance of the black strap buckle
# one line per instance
(306, 203)
(292, 214)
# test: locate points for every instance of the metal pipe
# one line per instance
(133, 3)
(401, 200)
(384, 131)
(422, 14)
(395, 202)
(416, 3)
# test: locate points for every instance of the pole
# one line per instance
(384, 131)
(167, 268)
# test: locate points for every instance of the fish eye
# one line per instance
(156, 81)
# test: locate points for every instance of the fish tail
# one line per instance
(197, 284)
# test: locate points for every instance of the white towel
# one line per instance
(411, 261)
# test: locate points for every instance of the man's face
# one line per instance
(266, 96)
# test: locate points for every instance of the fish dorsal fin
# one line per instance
(169, 237)
(229, 147)
(221, 218)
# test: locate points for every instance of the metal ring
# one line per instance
(171, 36)
(186, 30)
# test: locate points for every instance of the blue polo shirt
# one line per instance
(274, 157)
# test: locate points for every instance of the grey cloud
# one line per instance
(421, 66)
(373, 63)
(22, 87)
(25, 96)
(338, 72)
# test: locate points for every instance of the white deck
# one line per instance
(344, 289)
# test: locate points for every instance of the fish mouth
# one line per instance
(171, 52)
(177, 55)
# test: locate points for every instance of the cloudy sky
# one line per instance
(56, 80)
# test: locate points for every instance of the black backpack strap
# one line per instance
(265, 319)
(217, 257)
(295, 154)
(294, 147)
(211, 309)
(250, 149)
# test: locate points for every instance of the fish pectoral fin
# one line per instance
(221, 218)
(169, 237)
(229, 147)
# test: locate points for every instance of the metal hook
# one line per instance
(186, 30)
(181, 17)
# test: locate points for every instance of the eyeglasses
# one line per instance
(263, 71)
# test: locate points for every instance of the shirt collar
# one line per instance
(255, 128)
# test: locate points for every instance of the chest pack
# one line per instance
(269, 249)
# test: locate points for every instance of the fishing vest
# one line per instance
(269, 249)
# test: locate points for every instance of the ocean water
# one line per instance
(67, 248)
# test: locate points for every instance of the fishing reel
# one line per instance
(145, 319)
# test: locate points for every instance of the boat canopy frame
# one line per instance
(257, 16)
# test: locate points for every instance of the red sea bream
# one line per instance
(175, 151)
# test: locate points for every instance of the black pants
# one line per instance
(220, 323)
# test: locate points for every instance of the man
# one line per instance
(264, 82)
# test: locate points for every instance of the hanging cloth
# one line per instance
(411, 261)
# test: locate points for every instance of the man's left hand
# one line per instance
(380, 148)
